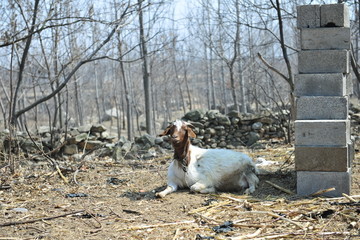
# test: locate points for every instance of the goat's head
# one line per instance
(179, 132)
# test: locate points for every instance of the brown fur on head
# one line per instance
(179, 132)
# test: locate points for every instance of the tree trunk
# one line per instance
(78, 104)
(177, 78)
(128, 98)
(146, 74)
(233, 88)
(13, 116)
(98, 108)
(187, 87)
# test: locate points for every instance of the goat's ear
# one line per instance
(166, 131)
(191, 133)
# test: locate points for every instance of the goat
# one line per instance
(206, 170)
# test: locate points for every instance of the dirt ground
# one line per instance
(117, 201)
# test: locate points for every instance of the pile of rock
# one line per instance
(233, 130)
(213, 129)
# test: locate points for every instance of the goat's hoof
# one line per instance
(160, 195)
(249, 191)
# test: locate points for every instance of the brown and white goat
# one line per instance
(206, 170)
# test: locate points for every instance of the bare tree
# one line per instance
(146, 74)
(89, 58)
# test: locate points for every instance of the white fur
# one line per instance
(213, 169)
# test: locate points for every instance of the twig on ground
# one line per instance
(5, 187)
(252, 235)
(351, 199)
(210, 206)
(322, 192)
(280, 188)
(177, 233)
(39, 219)
(133, 228)
(285, 219)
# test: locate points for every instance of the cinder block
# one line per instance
(349, 85)
(324, 61)
(329, 133)
(311, 182)
(319, 107)
(333, 84)
(308, 16)
(334, 15)
(325, 38)
(326, 159)
(351, 153)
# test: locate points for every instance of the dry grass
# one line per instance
(118, 202)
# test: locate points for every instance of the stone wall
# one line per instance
(216, 130)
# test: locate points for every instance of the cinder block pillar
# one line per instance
(323, 147)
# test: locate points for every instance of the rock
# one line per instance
(197, 125)
(43, 129)
(166, 145)
(70, 149)
(234, 114)
(74, 132)
(159, 140)
(90, 145)
(210, 131)
(146, 139)
(136, 148)
(126, 147)
(252, 138)
(81, 137)
(223, 120)
(267, 120)
(29, 146)
(219, 128)
(105, 135)
(256, 126)
(212, 114)
(196, 141)
(117, 154)
(85, 128)
(97, 128)
(235, 120)
(194, 115)
(150, 154)
(121, 141)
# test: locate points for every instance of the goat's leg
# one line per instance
(169, 189)
(252, 180)
(202, 188)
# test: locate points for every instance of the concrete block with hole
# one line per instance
(325, 38)
(311, 182)
(323, 61)
(326, 159)
(308, 16)
(326, 84)
(334, 15)
(329, 133)
(320, 107)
